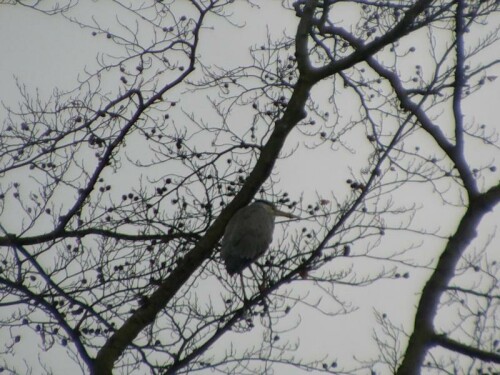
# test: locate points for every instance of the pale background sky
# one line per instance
(47, 53)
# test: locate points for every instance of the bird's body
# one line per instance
(248, 235)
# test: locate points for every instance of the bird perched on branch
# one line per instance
(248, 235)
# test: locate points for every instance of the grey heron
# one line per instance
(248, 235)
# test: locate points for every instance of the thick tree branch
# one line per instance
(363, 51)
(423, 334)
(135, 301)
(454, 152)
(467, 350)
(116, 344)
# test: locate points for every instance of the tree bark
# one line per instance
(423, 336)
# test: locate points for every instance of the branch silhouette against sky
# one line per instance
(371, 121)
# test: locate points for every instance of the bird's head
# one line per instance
(271, 208)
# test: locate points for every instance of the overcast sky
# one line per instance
(48, 53)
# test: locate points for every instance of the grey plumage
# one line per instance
(248, 235)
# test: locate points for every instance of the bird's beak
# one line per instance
(285, 214)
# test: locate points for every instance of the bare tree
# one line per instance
(114, 195)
